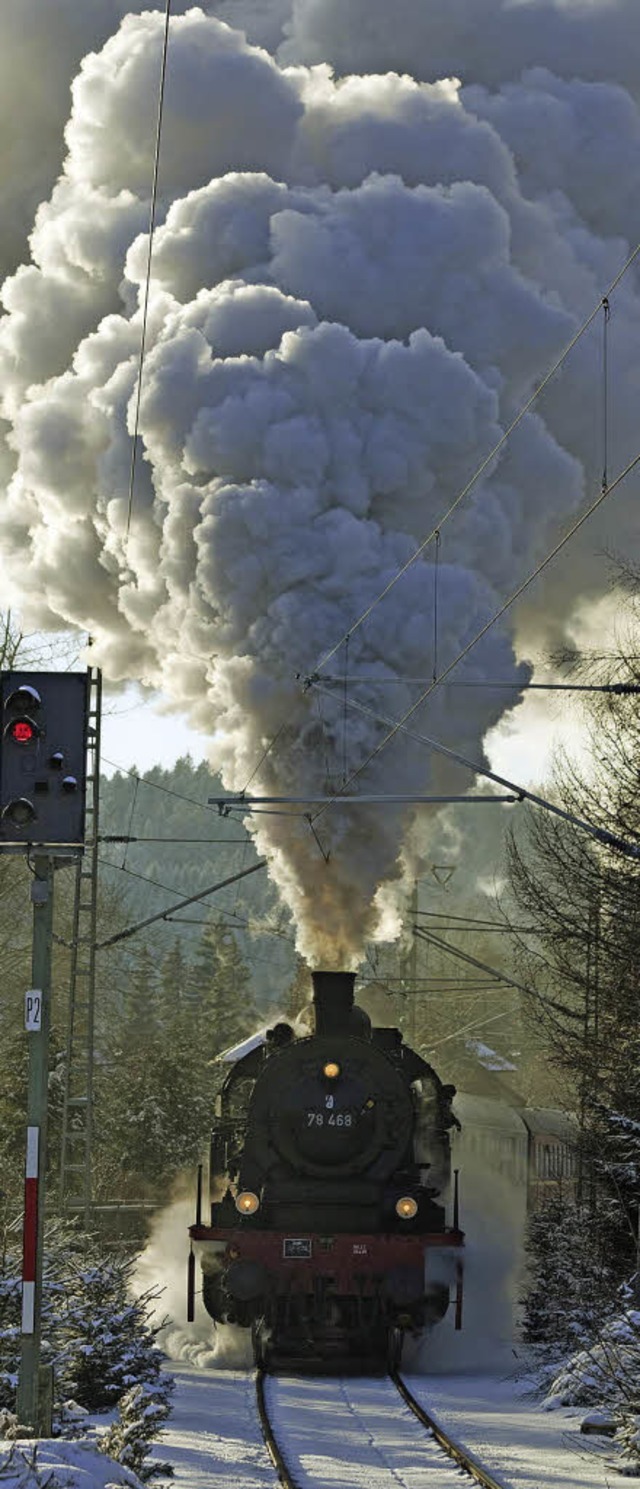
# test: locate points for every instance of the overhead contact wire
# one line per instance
(345, 714)
(540, 387)
(605, 391)
(435, 606)
(147, 286)
(600, 834)
(265, 753)
(401, 723)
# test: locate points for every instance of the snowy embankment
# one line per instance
(506, 1428)
(57, 1463)
(213, 1436)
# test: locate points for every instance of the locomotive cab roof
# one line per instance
(238, 1051)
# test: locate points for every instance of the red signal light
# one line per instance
(23, 731)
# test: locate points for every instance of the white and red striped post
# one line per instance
(30, 1232)
(33, 1406)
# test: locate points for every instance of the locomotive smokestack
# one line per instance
(333, 1001)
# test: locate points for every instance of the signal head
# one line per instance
(24, 699)
(20, 812)
(22, 730)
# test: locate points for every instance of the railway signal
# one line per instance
(43, 740)
(43, 743)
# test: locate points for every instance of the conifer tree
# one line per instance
(571, 1284)
(13, 1105)
(174, 974)
(583, 965)
(141, 1413)
(142, 1000)
(96, 1334)
(104, 1342)
(153, 1101)
(219, 990)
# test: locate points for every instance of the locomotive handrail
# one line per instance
(461, 1455)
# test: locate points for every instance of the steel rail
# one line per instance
(281, 1467)
(461, 1456)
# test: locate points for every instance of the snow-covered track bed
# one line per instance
(358, 1433)
(475, 1470)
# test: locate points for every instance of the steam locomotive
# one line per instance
(330, 1157)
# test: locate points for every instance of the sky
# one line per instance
(135, 732)
(372, 243)
(139, 732)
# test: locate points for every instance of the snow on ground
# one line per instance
(503, 1426)
(213, 1436)
(74, 1465)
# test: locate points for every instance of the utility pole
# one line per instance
(34, 1396)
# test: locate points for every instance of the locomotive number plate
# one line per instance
(329, 1119)
(295, 1248)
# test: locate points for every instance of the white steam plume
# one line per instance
(355, 284)
(162, 1267)
(487, 41)
(42, 48)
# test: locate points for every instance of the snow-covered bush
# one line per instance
(141, 1414)
(58, 1464)
(96, 1334)
(628, 1441)
(570, 1284)
(21, 1466)
(607, 1374)
(10, 1308)
(104, 1342)
(9, 1341)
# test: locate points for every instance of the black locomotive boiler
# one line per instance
(330, 1158)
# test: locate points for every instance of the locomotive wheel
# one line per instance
(395, 1340)
(259, 1340)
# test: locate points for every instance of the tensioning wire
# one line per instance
(477, 1024)
(540, 387)
(605, 391)
(152, 225)
(401, 723)
(126, 770)
(601, 834)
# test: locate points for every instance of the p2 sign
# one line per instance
(33, 1010)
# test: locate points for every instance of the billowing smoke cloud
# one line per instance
(486, 41)
(355, 283)
(42, 48)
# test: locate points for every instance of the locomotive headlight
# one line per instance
(247, 1202)
(331, 1070)
(406, 1207)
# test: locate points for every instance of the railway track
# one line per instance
(350, 1432)
(464, 1459)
